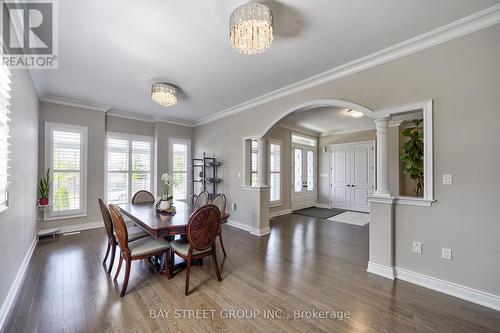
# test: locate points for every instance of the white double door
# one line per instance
(303, 176)
(352, 175)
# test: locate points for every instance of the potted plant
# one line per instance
(167, 198)
(412, 155)
(44, 188)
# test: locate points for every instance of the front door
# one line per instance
(303, 176)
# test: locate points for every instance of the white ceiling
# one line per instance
(323, 120)
(110, 52)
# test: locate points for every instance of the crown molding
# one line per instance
(456, 29)
(368, 127)
(75, 103)
(147, 118)
(300, 129)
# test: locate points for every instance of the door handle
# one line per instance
(353, 185)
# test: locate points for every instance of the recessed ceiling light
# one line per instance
(164, 94)
(355, 114)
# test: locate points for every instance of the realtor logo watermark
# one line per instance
(29, 32)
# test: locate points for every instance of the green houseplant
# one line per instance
(44, 188)
(412, 155)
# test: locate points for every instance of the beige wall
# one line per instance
(18, 226)
(129, 126)
(95, 122)
(461, 76)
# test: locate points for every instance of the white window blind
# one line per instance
(254, 150)
(66, 156)
(4, 135)
(129, 166)
(180, 155)
(275, 171)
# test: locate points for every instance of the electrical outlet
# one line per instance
(447, 179)
(234, 205)
(417, 247)
(446, 253)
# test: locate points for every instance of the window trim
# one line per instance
(170, 164)
(251, 172)
(83, 130)
(129, 138)
(279, 143)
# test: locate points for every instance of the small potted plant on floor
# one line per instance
(44, 188)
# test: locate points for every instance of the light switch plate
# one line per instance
(417, 247)
(446, 253)
(447, 179)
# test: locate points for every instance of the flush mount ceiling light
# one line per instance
(251, 28)
(355, 114)
(164, 94)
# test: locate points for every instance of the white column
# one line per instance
(262, 162)
(382, 125)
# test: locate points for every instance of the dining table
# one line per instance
(163, 224)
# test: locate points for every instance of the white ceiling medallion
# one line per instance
(354, 114)
(164, 94)
(251, 28)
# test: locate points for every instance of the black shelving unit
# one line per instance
(204, 173)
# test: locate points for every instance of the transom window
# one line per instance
(66, 156)
(128, 166)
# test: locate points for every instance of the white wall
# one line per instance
(461, 76)
(18, 223)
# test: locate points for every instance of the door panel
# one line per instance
(303, 176)
(310, 177)
(352, 175)
(297, 177)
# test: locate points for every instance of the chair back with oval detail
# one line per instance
(106, 217)
(203, 227)
(220, 202)
(201, 200)
(143, 196)
(120, 228)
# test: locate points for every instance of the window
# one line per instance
(128, 167)
(180, 157)
(4, 135)
(66, 156)
(254, 151)
(275, 171)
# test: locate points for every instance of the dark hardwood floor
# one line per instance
(305, 264)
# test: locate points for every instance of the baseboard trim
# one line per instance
(320, 205)
(239, 225)
(81, 226)
(453, 289)
(16, 284)
(279, 213)
(261, 231)
(381, 270)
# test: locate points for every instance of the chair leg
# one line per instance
(216, 267)
(188, 272)
(167, 264)
(222, 244)
(172, 262)
(107, 252)
(128, 263)
(112, 260)
(119, 267)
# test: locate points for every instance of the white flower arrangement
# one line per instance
(168, 182)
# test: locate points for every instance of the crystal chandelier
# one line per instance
(164, 94)
(355, 114)
(251, 28)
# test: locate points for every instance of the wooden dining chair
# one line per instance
(139, 249)
(220, 202)
(201, 200)
(143, 196)
(133, 234)
(202, 230)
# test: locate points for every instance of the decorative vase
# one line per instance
(164, 204)
(43, 201)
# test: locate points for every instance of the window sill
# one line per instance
(3, 209)
(275, 204)
(413, 201)
(64, 217)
